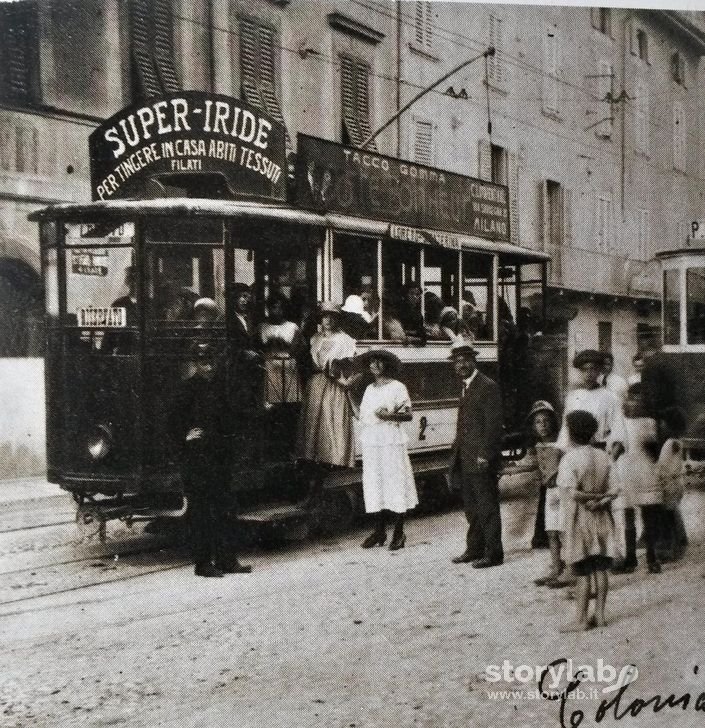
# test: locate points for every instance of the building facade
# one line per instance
(591, 116)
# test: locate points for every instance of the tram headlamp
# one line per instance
(99, 442)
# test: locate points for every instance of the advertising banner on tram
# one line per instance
(333, 177)
(189, 133)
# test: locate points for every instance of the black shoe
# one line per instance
(236, 568)
(655, 568)
(485, 563)
(208, 570)
(374, 539)
(398, 541)
(466, 557)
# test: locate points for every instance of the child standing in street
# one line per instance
(589, 531)
(544, 431)
(669, 467)
(637, 478)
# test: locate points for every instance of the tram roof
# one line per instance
(202, 207)
(680, 252)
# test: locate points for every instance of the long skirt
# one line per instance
(325, 433)
(387, 478)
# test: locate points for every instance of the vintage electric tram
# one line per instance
(182, 216)
(681, 359)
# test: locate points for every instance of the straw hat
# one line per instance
(392, 361)
(461, 347)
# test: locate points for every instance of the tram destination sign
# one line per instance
(189, 133)
(336, 178)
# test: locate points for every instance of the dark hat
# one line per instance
(540, 405)
(391, 361)
(203, 350)
(588, 356)
(462, 347)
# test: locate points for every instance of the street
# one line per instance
(321, 633)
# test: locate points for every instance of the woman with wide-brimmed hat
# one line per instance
(325, 434)
(387, 477)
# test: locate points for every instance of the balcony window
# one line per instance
(601, 19)
(678, 68)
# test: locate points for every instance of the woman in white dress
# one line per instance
(387, 478)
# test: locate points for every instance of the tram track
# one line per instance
(79, 587)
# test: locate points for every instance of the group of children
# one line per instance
(590, 494)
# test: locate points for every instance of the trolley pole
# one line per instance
(486, 54)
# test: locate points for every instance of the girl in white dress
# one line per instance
(387, 478)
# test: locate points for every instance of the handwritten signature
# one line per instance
(617, 706)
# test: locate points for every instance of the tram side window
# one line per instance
(695, 305)
(478, 296)
(440, 277)
(354, 272)
(530, 314)
(671, 307)
(402, 304)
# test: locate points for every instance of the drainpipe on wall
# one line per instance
(398, 78)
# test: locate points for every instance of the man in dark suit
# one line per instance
(475, 460)
(202, 426)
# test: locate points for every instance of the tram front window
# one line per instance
(695, 305)
(671, 307)
(186, 267)
(101, 285)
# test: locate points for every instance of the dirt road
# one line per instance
(327, 634)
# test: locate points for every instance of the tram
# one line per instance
(681, 359)
(122, 273)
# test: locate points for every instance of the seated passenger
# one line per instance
(410, 315)
(450, 324)
(392, 328)
(434, 307)
(354, 320)
(205, 311)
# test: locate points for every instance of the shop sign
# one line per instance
(333, 177)
(189, 133)
(89, 262)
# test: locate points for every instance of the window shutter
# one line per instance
(423, 142)
(567, 217)
(419, 22)
(141, 36)
(248, 63)
(18, 61)
(484, 164)
(631, 30)
(362, 101)
(347, 86)
(164, 45)
(544, 222)
(268, 78)
(513, 178)
(595, 18)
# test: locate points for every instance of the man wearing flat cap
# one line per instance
(599, 401)
(202, 424)
(475, 459)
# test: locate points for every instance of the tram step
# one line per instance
(276, 512)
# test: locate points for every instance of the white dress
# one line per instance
(387, 477)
